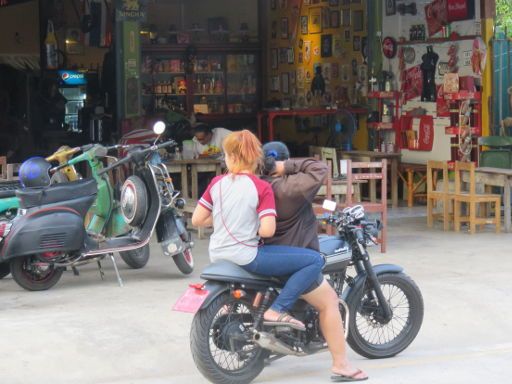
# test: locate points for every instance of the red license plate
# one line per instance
(191, 300)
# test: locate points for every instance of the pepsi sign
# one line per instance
(72, 78)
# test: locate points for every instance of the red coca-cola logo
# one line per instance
(389, 47)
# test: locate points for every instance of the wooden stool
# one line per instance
(473, 199)
(434, 196)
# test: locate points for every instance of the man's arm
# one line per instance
(301, 179)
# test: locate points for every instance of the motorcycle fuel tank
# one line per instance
(336, 251)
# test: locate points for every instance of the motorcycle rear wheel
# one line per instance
(136, 258)
(5, 269)
(184, 261)
(29, 276)
(368, 334)
(210, 342)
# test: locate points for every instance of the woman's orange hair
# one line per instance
(244, 149)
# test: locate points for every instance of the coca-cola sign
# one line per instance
(436, 15)
(460, 10)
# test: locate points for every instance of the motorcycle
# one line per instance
(381, 307)
(49, 233)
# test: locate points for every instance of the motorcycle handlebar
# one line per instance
(138, 152)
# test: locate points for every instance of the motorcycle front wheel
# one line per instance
(369, 334)
(136, 258)
(33, 275)
(219, 340)
(184, 261)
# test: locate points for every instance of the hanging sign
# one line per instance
(389, 47)
(131, 10)
(412, 84)
(426, 133)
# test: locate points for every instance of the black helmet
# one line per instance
(34, 172)
(276, 149)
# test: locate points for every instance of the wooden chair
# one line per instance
(434, 195)
(473, 200)
(328, 155)
(369, 171)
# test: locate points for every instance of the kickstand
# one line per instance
(102, 274)
(119, 280)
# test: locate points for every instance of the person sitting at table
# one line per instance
(295, 184)
(208, 140)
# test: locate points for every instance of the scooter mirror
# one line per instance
(159, 127)
(329, 205)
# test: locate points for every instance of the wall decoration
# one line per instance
(316, 50)
(284, 28)
(273, 4)
(364, 49)
(308, 76)
(301, 43)
(301, 58)
(274, 29)
(326, 22)
(274, 59)
(389, 47)
(307, 51)
(300, 77)
(315, 20)
(274, 83)
(337, 46)
(285, 83)
(282, 4)
(347, 35)
(326, 72)
(334, 3)
(326, 46)
(356, 45)
(345, 17)
(306, 2)
(413, 83)
(390, 7)
(304, 25)
(291, 55)
(283, 55)
(345, 73)
(334, 21)
(335, 70)
(357, 21)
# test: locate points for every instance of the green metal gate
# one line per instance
(502, 81)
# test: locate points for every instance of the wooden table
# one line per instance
(369, 156)
(496, 177)
(270, 115)
(195, 167)
(407, 171)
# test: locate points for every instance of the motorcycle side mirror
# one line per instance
(329, 205)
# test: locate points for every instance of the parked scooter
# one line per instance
(381, 306)
(49, 233)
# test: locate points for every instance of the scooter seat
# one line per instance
(35, 197)
(224, 270)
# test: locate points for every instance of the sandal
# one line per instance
(287, 320)
(339, 378)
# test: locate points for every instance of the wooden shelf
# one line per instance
(212, 48)
(163, 73)
(463, 95)
(383, 95)
(164, 94)
(437, 40)
(456, 130)
(382, 126)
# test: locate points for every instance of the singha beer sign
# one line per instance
(131, 10)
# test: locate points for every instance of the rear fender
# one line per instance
(215, 289)
(360, 279)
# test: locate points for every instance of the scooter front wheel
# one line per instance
(184, 261)
(33, 275)
(136, 258)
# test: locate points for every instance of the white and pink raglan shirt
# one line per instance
(237, 203)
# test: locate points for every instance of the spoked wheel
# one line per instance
(136, 258)
(184, 261)
(33, 274)
(373, 337)
(5, 269)
(221, 344)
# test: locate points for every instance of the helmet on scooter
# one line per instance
(276, 149)
(34, 172)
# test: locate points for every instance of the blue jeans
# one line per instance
(301, 264)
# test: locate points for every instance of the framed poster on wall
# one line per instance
(315, 20)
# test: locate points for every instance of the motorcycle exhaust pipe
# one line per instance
(267, 341)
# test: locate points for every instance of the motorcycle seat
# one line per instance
(34, 197)
(224, 270)
(8, 189)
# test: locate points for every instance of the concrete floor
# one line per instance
(85, 330)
